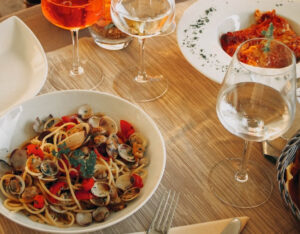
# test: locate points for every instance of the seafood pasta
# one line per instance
(77, 169)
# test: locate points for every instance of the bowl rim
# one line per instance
(98, 227)
(281, 165)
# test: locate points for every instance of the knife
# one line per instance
(233, 227)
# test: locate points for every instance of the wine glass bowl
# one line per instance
(256, 102)
(142, 19)
(70, 14)
(74, 15)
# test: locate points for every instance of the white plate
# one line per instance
(67, 102)
(23, 63)
(203, 49)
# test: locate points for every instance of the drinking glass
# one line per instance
(256, 102)
(74, 15)
(142, 19)
(106, 34)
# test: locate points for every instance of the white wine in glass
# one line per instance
(256, 102)
(142, 19)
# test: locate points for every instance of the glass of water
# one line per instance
(256, 103)
(142, 19)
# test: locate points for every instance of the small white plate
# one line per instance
(200, 44)
(23, 63)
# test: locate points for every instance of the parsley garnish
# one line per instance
(268, 34)
(87, 164)
(62, 149)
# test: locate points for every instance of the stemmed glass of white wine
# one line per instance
(256, 102)
(142, 19)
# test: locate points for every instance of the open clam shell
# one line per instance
(125, 152)
(100, 172)
(108, 124)
(100, 214)
(75, 140)
(130, 194)
(18, 159)
(100, 189)
(137, 137)
(16, 185)
(124, 182)
(112, 145)
(85, 111)
(49, 168)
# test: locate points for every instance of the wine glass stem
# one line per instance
(141, 77)
(76, 68)
(242, 175)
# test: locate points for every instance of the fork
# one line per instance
(164, 214)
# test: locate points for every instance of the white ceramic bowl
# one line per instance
(23, 63)
(67, 102)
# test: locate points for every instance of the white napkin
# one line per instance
(8, 124)
(213, 227)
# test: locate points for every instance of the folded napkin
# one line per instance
(8, 123)
(213, 227)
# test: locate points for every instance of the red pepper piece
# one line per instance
(65, 161)
(55, 189)
(74, 174)
(137, 181)
(100, 155)
(67, 119)
(36, 150)
(126, 128)
(83, 195)
(39, 201)
(87, 184)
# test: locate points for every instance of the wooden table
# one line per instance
(195, 139)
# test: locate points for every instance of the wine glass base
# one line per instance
(61, 77)
(252, 193)
(127, 86)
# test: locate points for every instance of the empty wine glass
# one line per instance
(256, 102)
(142, 19)
(74, 15)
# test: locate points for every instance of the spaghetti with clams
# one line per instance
(78, 169)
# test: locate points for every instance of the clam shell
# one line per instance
(85, 111)
(16, 185)
(108, 124)
(130, 194)
(138, 138)
(125, 152)
(100, 189)
(49, 168)
(100, 214)
(75, 140)
(123, 182)
(18, 159)
(112, 145)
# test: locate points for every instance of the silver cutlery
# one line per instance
(164, 214)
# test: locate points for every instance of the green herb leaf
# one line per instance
(62, 149)
(87, 164)
(268, 34)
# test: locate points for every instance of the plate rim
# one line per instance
(200, 6)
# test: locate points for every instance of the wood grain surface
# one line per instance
(186, 116)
